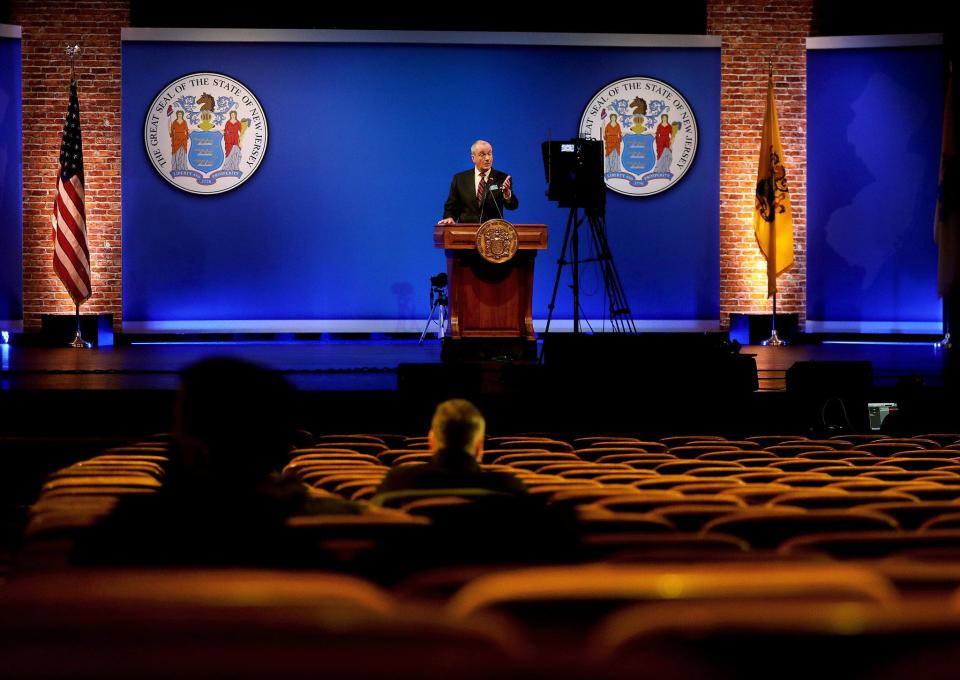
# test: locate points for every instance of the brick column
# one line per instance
(47, 27)
(751, 30)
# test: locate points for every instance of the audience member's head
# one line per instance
(458, 426)
(233, 420)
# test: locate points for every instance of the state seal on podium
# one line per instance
(497, 241)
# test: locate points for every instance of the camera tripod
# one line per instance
(620, 315)
(439, 306)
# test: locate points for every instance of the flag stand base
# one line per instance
(774, 340)
(79, 342)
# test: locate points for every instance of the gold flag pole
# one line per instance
(72, 52)
(774, 340)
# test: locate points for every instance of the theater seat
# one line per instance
(912, 515)
(397, 499)
(736, 455)
(791, 450)
(634, 547)
(885, 447)
(241, 624)
(836, 499)
(573, 595)
(531, 443)
(357, 438)
(766, 440)
(857, 545)
(502, 458)
(595, 453)
(689, 451)
(776, 639)
(836, 454)
(768, 528)
(372, 448)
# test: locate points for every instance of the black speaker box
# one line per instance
(58, 330)
(458, 350)
(677, 362)
(752, 329)
(825, 378)
(467, 380)
(830, 397)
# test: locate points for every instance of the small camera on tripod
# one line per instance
(439, 305)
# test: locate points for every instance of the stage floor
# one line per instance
(362, 365)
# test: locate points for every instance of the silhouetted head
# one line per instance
(457, 426)
(233, 420)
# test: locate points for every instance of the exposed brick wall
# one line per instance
(751, 30)
(47, 27)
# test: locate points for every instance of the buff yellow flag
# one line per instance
(772, 220)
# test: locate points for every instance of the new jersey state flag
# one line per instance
(772, 219)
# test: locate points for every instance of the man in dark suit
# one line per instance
(502, 522)
(481, 193)
(456, 441)
(223, 501)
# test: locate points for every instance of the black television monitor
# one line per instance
(574, 174)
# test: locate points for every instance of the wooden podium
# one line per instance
(490, 300)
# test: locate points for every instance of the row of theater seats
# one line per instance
(77, 496)
(788, 494)
(693, 497)
(696, 557)
(582, 621)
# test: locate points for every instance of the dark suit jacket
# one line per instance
(510, 525)
(461, 202)
(206, 521)
(450, 470)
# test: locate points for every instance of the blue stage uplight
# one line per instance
(4, 337)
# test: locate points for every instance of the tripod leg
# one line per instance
(427, 325)
(562, 261)
(575, 247)
(620, 314)
(441, 332)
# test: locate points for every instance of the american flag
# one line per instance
(71, 259)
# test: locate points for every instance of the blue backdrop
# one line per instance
(874, 120)
(11, 192)
(337, 222)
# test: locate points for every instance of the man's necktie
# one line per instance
(481, 188)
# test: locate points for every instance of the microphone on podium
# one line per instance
(491, 187)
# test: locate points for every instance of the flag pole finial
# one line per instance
(72, 52)
(773, 58)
